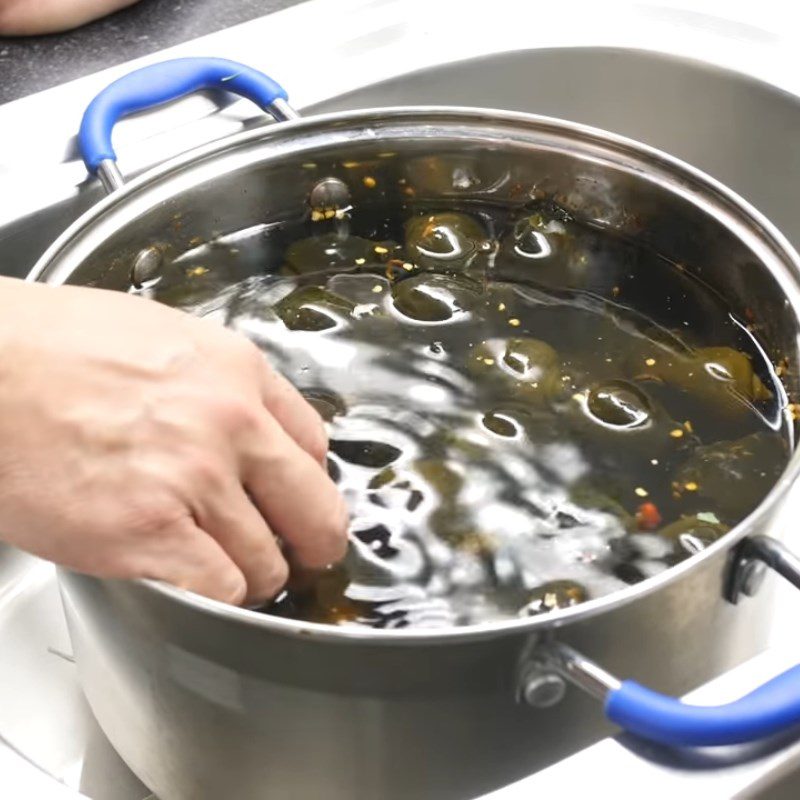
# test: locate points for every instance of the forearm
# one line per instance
(30, 17)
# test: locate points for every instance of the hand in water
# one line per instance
(31, 17)
(138, 441)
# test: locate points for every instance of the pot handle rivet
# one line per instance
(146, 268)
(749, 566)
(753, 575)
(541, 689)
(329, 194)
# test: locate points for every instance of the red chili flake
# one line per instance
(749, 315)
(648, 517)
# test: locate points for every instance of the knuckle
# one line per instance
(205, 474)
(235, 415)
(269, 457)
(152, 516)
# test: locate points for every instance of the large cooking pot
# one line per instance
(204, 700)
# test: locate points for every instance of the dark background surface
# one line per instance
(28, 65)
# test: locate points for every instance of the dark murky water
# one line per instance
(525, 412)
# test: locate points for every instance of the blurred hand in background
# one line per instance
(31, 17)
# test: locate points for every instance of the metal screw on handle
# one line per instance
(540, 688)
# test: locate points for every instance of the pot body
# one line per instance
(201, 707)
(204, 701)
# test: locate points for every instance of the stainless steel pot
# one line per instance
(207, 701)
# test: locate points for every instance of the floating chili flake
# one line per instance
(648, 517)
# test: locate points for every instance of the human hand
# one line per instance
(138, 441)
(31, 17)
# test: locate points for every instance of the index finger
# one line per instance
(294, 494)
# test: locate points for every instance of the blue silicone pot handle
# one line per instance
(159, 83)
(768, 710)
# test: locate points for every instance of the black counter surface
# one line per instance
(30, 64)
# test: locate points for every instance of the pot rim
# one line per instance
(708, 194)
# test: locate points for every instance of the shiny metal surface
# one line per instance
(753, 579)
(750, 562)
(578, 669)
(624, 71)
(196, 695)
(110, 176)
(776, 556)
(543, 689)
(146, 266)
(282, 111)
(329, 194)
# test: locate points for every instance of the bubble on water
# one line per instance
(618, 404)
(435, 299)
(502, 424)
(530, 240)
(365, 453)
(534, 245)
